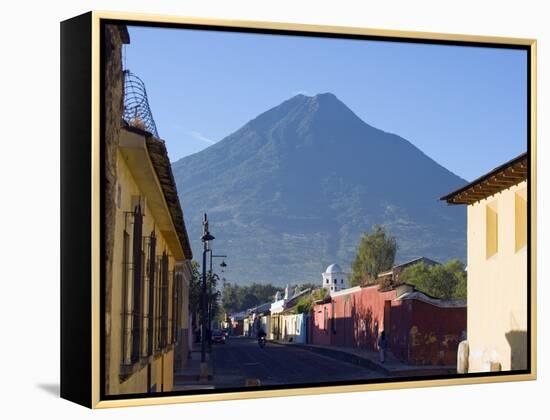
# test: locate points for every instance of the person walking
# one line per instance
(382, 346)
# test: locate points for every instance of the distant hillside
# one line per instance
(293, 189)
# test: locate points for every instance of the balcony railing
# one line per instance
(137, 112)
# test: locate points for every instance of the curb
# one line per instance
(364, 362)
(192, 378)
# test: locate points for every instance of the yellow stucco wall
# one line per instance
(497, 286)
(137, 382)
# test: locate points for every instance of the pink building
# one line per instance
(421, 330)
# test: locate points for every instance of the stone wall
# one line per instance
(115, 36)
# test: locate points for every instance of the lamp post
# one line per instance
(206, 237)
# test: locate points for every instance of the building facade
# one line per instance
(421, 330)
(151, 273)
(147, 251)
(497, 267)
(334, 278)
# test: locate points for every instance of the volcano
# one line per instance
(293, 190)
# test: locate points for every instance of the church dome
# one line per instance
(333, 268)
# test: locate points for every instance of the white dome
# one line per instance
(333, 268)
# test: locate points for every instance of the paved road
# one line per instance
(241, 358)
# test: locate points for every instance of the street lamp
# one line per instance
(222, 265)
(206, 237)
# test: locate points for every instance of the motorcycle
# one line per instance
(261, 341)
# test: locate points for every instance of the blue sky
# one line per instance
(463, 106)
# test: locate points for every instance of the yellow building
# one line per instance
(148, 295)
(497, 267)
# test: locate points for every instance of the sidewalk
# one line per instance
(371, 360)
(189, 376)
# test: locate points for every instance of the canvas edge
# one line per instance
(97, 16)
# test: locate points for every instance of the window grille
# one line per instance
(158, 281)
(136, 289)
(175, 305)
(125, 312)
(151, 291)
(164, 300)
(143, 301)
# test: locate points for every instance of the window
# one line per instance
(119, 196)
(491, 229)
(156, 327)
(327, 281)
(325, 318)
(521, 219)
(342, 281)
(132, 272)
(125, 308)
(335, 281)
(164, 301)
(136, 289)
(151, 291)
(176, 281)
(143, 305)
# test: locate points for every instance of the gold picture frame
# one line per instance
(82, 212)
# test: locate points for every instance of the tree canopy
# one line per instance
(195, 290)
(195, 287)
(445, 281)
(376, 253)
(237, 298)
(305, 302)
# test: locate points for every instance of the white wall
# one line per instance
(29, 169)
(497, 287)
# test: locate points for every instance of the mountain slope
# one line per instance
(293, 189)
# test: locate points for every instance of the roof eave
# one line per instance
(499, 179)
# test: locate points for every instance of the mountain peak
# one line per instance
(297, 186)
(326, 96)
(324, 108)
(320, 97)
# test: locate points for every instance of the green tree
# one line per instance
(376, 253)
(235, 298)
(195, 288)
(319, 294)
(231, 298)
(263, 292)
(195, 291)
(213, 294)
(461, 289)
(304, 304)
(445, 281)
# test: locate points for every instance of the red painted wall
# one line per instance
(358, 319)
(320, 329)
(419, 333)
(435, 333)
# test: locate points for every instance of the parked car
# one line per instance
(218, 337)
